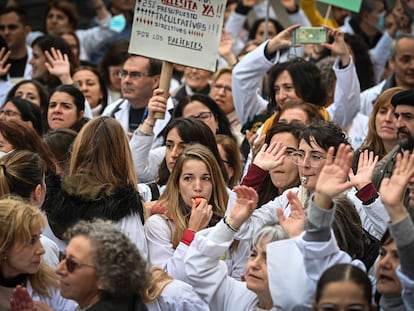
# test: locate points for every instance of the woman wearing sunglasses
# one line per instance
(21, 261)
(87, 273)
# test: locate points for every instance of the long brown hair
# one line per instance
(172, 194)
(93, 154)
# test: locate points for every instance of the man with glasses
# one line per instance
(139, 77)
(14, 30)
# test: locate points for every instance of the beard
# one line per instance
(406, 141)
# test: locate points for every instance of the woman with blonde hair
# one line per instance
(195, 198)
(21, 260)
(100, 183)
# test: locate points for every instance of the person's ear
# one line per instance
(37, 194)
(81, 113)
(101, 285)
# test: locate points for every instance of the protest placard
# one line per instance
(185, 32)
(352, 5)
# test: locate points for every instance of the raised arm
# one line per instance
(205, 271)
(347, 89)
(146, 159)
(373, 216)
(248, 74)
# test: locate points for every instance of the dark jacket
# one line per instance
(76, 199)
(124, 304)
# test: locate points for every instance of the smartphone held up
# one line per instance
(310, 35)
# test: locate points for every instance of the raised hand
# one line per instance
(270, 157)
(4, 57)
(21, 300)
(201, 213)
(157, 103)
(392, 189)
(58, 65)
(225, 48)
(282, 40)
(244, 206)
(332, 180)
(366, 165)
(295, 223)
(256, 142)
(338, 47)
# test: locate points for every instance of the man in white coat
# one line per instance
(139, 77)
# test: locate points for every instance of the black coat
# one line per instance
(75, 199)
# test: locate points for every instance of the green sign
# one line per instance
(352, 5)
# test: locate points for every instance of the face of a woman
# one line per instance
(224, 158)
(286, 175)
(311, 165)
(114, 78)
(260, 33)
(62, 111)
(24, 258)
(385, 124)
(388, 283)
(81, 284)
(5, 146)
(222, 94)
(200, 111)
(256, 269)
(57, 22)
(195, 181)
(195, 78)
(294, 114)
(39, 70)
(88, 83)
(10, 112)
(284, 89)
(72, 42)
(342, 295)
(174, 145)
(28, 92)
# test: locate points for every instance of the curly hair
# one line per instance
(113, 249)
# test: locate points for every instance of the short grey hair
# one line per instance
(118, 263)
(394, 44)
(273, 233)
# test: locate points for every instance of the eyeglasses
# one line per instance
(71, 265)
(10, 27)
(204, 116)
(315, 159)
(134, 75)
(332, 307)
(9, 113)
(218, 87)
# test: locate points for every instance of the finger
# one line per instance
(280, 215)
(53, 53)
(263, 148)
(59, 54)
(49, 57)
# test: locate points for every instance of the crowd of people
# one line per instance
(282, 181)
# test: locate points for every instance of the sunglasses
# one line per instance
(72, 265)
